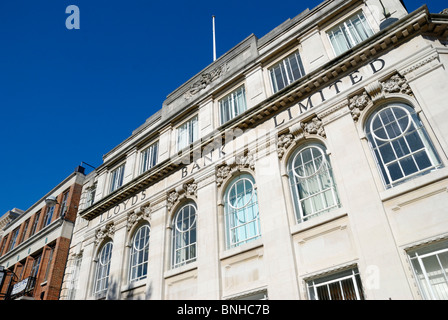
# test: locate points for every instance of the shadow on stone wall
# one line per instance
(113, 293)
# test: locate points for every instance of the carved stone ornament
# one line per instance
(246, 161)
(315, 126)
(107, 231)
(397, 84)
(283, 143)
(222, 173)
(181, 192)
(357, 104)
(144, 212)
(299, 131)
(444, 11)
(376, 91)
(205, 80)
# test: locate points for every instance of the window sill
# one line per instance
(178, 270)
(133, 285)
(316, 221)
(241, 248)
(414, 184)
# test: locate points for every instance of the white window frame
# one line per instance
(352, 42)
(149, 157)
(74, 277)
(48, 215)
(116, 178)
(377, 143)
(102, 273)
(297, 182)
(184, 241)
(233, 106)
(336, 278)
(90, 197)
(428, 282)
(63, 207)
(138, 262)
(192, 132)
(241, 219)
(286, 71)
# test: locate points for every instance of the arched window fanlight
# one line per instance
(139, 254)
(103, 268)
(400, 144)
(184, 235)
(241, 211)
(311, 181)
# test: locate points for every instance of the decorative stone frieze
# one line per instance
(205, 80)
(378, 90)
(283, 143)
(397, 84)
(106, 231)
(143, 212)
(357, 104)
(186, 190)
(222, 173)
(314, 126)
(245, 161)
(298, 131)
(420, 64)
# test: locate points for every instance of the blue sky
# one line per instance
(70, 96)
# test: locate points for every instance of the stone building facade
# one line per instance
(35, 245)
(308, 164)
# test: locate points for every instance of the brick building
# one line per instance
(34, 246)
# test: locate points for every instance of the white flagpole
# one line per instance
(214, 41)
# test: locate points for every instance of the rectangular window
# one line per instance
(116, 178)
(73, 277)
(13, 241)
(430, 266)
(48, 216)
(3, 245)
(63, 208)
(35, 268)
(233, 104)
(50, 258)
(25, 228)
(35, 223)
(286, 71)
(149, 157)
(90, 195)
(349, 33)
(187, 133)
(344, 285)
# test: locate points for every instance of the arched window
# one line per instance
(311, 181)
(184, 235)
(400, 143)
(139, 254)
(241, 211)
(103, 268)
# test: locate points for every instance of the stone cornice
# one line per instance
(415, 23)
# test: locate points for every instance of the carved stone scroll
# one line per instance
(107, 231)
